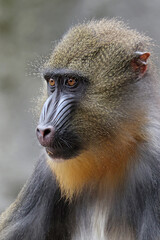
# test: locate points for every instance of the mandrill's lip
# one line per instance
(50, 152)
(54, 154)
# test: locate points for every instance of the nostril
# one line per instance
(45, 135)
(40, 132)
(43, 132)
(46, 132)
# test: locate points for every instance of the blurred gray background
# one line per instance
(28, 30)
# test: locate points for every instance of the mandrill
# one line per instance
(99, 175)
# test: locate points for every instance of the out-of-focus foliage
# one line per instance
(28, 30)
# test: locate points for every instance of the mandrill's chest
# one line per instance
(94, 221)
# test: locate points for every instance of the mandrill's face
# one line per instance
(90, 76)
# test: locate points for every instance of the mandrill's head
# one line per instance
(98, 84)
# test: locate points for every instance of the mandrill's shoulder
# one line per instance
(39, 211)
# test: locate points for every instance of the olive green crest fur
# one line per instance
(99, 49)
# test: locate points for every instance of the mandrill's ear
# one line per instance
(139, 62)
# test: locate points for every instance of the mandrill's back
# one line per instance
(99, 175)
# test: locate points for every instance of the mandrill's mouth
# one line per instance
(50, 152)
(59, 144)
(56, 155)
(64, 147)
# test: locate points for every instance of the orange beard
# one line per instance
(106, 163)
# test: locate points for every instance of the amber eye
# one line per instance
(51, 82)
(71, 82)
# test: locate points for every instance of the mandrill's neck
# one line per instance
(105, 164)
